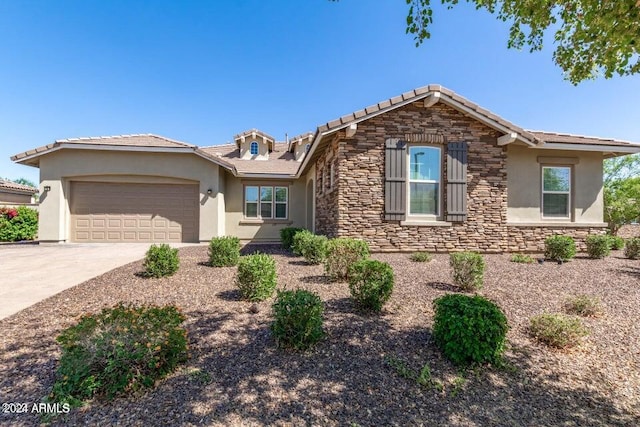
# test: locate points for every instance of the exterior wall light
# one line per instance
(47, 188)
(209, 191)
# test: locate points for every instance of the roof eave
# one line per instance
(620, 150)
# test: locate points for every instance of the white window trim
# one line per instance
(423, 217)
(332, 174)
(260, 202)
(568, 193)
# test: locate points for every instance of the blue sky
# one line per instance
(201, 72)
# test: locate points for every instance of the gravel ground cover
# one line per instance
(236, 376)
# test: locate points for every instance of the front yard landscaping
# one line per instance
(369, 369)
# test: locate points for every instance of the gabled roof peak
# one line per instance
(253, 133)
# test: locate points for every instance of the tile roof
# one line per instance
(137, 140)
(14, 187)
(415, 95)
(254, 131)
(280, 160)
(566, 138)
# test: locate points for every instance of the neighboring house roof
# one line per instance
(280, 162)
(15, 188)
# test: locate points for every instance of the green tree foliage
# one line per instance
(621, 191)
(592, 37)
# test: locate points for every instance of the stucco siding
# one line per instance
(524, 184)
(268, 230)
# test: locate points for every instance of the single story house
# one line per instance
(12, 193)
(426, 170)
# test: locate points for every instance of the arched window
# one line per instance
(306, 148)
(254, 148)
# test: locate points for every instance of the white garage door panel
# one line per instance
(116, 212)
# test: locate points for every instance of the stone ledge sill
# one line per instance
(558, 224)
(426, 223)
(267, 221)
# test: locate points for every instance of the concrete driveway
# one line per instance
(31, 273)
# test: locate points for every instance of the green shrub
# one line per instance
(17, 224)
(341, 253)
(468, 270)
(559, 248)
(117, 352)
(557, 330)
(256, 277)
(161, 261)
(371, 283)
(598, 246)
(286, 236)
(584, 305)
(469, 329)
(632, 248)
(312, 247)
(616, 243)
(298, 319)
(224, 251)
(522, 258)
(420, 257)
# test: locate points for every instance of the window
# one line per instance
(424, 180)
(332, 174)
(307, 147)
(556, 191)
(253, 148)
(265, 202)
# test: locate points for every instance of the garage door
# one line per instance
(115, 212)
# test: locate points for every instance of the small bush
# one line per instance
(598, 246)
(616, 243)
(341, 253)
(469, 329)
(468, 270)
(371, 283)
(17, 224)
(632, 248)
(420, 257)
(522, 259)
(298, 319)
(224, 251)
(256, 276)
(584, 305)
(286, 236)
(161, 261)
(557, 330)
(117, 352)
(312, 247)
(559, 248)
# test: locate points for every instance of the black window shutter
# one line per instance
(457, 181)
(395, 185)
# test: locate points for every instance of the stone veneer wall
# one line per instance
(327, 197)
(355, 208)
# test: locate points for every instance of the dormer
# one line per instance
(254, 145)
(300, 145)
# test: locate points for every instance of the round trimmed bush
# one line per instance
(341, 253)
(224, 251)
(161, 261)
(117, 352)
(371, 283)
(468, 270)
(256, 277)
(616, 243)
(469, 329)
(598, 246)
(559, 248)
(312, 247)
(298, 319)
(632, 248)
(17, 224)
(286, 236)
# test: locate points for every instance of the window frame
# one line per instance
(418, 216)
(272, 202)
(332, 174)
(251, 148)
(569, 193)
